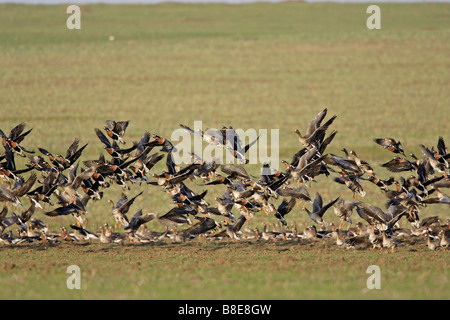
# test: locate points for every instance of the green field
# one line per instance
(262, 66)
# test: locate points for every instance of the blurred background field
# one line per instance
(261, 66)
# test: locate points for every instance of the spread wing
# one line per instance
(317, 204)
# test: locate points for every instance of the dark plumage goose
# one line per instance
(298, 193)
(139, 219)
(344, 163)
(435, 163)
(21, 188)
(53, 160)
(232, 230)
(73, 153)
(318, 209)
(5, 221)
(145, 163)
(391, 145)
(82, 234)
(8, 168)
(245, 207)
(235, 171)
(112, 148)
(283, 209)
(382, 184)
(206, 224)
(14, 139)
(26, 215)
(352, 182)
(239, 191)
(116, 129)
(439, 198)
(176, 217)
(349, 242)
(238, 150)
(70, 209)
(268, 175)
(220, 180)
(160, 142)
(377, 218)
(373, 215)
(399, 164)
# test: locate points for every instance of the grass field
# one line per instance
(262, 66)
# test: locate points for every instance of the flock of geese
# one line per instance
(66, 188)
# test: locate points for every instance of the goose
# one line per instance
(212, 137)
(440, 198)
(344, 210)
(73, 153)
(300, 193)
(235, 171)
(139, 219)
(399, 164)
(445, 242)
(232, 230)
(390, 144)
(348, 243)
(315, 129)
(309, 232)
(283, 209)
(352, 182)
(363, 165)
(112, 148)
(6, 195)
(204, 225)
(74, 181)
(377, 218)
(435, 164)
(116, 129)
(176, 217)
(14, 139)
(432, 244)
(223, 209)
(121, 208)
(389, 241)
(318, 209)
(20, 189)
(82, 234)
